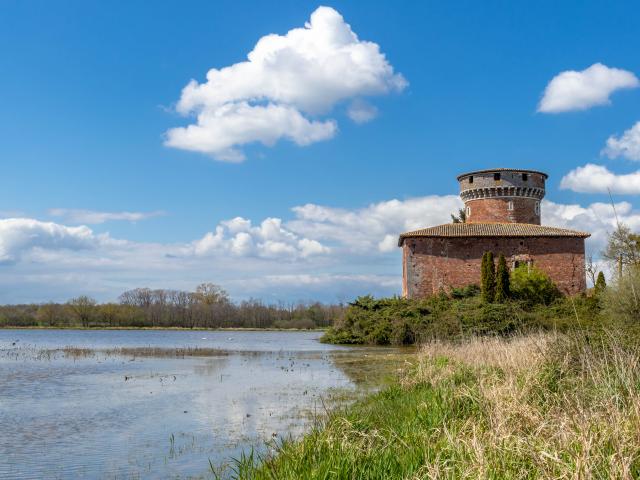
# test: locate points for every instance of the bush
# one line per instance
(532, 286)
(622, 299)
(400, 321)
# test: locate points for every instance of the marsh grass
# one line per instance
(535, 406)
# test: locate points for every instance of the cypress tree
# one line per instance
(488, 278)
(483, 274)
(502, 280)
(601, 283)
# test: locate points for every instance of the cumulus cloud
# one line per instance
(361, 112)
(375, 227)
(18, 235)
(573, 90)
(93, 217)
(598, 218)
(593, 178)
(626, 146)
(270, 239)
(321, 252)
(285, 84)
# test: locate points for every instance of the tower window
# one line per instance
(496, 176)
(468, 212)
(510, 206)
(537, 208)
(471, 179)
(525, 177)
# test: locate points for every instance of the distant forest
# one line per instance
(208, 306)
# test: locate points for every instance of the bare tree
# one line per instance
(83, 307)
(623, 246)
(591, 269)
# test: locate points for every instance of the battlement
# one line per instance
(503, 195)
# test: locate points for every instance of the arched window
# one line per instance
(468, 212)
(510, 205)
(537, 208)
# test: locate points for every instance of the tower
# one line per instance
(502, 195)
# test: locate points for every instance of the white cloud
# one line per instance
(572, 90)
(361, 112)
(93, 217)
(219, 130)
(321, 252)
(268, 240)
(597, 218)
(373, 228)
(18, 235)
(627, 146)
(599, 179)
(286, 82)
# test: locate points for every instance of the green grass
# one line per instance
(537, 406)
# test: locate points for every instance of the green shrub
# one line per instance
(622, 299)
(400, 321)
(601, 283)
(531, 285)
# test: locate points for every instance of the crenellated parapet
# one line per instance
(502, 195)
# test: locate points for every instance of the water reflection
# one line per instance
(103, 414)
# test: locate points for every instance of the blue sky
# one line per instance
(92, 91)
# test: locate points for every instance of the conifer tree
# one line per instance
(488, 278)
(502, 280)
(601, 283)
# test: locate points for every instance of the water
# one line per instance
(99, 414)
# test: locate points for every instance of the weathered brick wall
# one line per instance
(492, 210)
(507, 178)
(432, 264)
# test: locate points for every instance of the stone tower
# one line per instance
(502, 195)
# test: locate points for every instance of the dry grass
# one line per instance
(556, 406)
(540, 406)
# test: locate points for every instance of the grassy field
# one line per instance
(535, 406)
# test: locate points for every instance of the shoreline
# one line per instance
(196, 329)
(475, 410)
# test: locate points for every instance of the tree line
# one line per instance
(208, 306)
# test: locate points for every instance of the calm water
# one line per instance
(106, 415)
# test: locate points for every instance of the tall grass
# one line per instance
(536, 406)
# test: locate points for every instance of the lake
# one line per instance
(163, 404)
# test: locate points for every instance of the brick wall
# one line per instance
(432, 264)
(493, 210)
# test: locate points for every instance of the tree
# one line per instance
(461, 217)
(533, 286)
(502, 280)
(49, 314)
(601, 283)
(591, 269)
(623, 246)
(82, 307)
(488, 278)
(210, 293)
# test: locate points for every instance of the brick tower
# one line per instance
(502, 195)
(502, 209)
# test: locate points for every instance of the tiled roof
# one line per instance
(492, 230)
(491, 170)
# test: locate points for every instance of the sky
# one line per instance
(278, 149)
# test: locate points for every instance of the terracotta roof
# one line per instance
(492, 230)
(491, 170)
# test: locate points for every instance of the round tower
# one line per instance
(502, 195)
